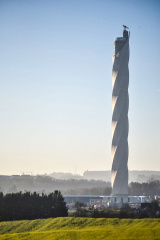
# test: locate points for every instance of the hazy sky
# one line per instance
(56, 84)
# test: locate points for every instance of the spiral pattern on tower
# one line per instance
(120, 125)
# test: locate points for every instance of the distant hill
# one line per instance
(62, 175)
(46, 184)
(92, 182)
(134, 176)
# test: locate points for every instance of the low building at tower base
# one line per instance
(100, 202)
(120, 200)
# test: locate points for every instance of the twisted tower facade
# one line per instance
(120, 105)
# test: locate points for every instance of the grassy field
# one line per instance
(81, 229)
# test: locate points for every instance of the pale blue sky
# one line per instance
(55, 87)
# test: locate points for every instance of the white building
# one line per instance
(118, 201)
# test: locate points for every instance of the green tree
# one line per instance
(59, 208)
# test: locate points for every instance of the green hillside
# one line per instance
(81, 229)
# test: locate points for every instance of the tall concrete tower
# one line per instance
(120, 105)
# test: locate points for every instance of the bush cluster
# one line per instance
(148, 210)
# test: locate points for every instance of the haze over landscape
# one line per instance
(56, 84)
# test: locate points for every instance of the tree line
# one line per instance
(147, 210)
(18, 206)
(151, 188)
(134, 189)
(46, 184)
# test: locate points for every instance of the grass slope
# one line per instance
(81, 229)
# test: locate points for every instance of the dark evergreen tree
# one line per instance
(18, 206)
